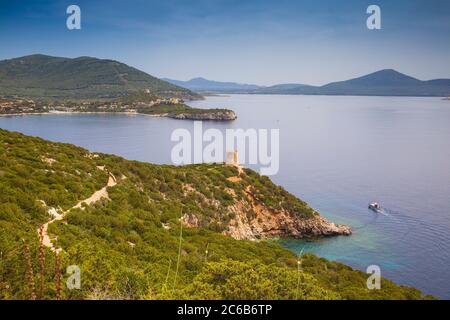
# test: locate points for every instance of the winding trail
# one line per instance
(96, 196)
(240, 172)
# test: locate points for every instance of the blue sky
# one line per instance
(250, 41)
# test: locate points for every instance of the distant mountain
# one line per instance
(205, 85)
(385, 82)
(84, 77)
(286, 88)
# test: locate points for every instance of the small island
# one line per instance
(139, 102)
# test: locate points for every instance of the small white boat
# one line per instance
(374, 206)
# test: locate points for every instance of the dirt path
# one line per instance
(238, 177)
(96, 196)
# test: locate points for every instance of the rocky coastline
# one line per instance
(253, 220)
(214, 116)
(225, 115)
(268, 223)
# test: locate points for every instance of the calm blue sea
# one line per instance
(338, 154)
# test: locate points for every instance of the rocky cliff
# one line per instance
(252, 219)
(270, 223)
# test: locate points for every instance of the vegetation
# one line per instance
(81, 78)
(128, 246)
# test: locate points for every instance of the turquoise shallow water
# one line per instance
(338, 154)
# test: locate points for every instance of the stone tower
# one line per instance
(232, 158)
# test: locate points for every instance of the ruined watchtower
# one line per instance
(232, 158)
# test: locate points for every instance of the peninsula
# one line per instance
(135, 103)
(144, 231)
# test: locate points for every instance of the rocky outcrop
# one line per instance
(267, 223)
(277, 227)
(190, 220)
(253, 220)
(222, 115)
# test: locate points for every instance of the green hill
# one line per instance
(129, 243)
(41, 76)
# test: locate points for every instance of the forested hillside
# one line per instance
(41, 76)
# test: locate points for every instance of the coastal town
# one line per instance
(136, 103)
(21, 105)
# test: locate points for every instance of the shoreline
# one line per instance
(79, 112)
(181, 116)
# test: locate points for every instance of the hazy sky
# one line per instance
(249, 41)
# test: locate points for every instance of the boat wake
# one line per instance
(383, 211)
(376, 214)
